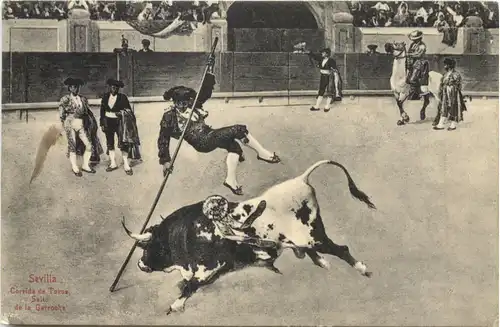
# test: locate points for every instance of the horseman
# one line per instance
(417, 66)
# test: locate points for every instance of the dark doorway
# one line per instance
(274, 26)
(273, 14)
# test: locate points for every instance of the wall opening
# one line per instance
(270, 26)
(272, 14)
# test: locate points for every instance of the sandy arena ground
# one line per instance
(432, 244)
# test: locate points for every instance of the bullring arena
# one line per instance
(431, 243)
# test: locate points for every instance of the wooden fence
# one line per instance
(38, 77)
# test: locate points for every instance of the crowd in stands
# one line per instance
(200, 11)
(439, 14)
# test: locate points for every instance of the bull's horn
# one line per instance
(138, 237)
(162, 218)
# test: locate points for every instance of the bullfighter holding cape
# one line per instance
(80, 127)
(202, 137)
(118, 118)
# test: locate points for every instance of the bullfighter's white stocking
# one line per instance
(112, 159)
(441, 123)
(86, 160)
(257, 147)
(232, 161)
(328, 103)
(72, 159)
(453, 124)
(125, 162)
(318, 102)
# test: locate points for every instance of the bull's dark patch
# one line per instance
(247, 208)
(281, 237)
(250, 231)
(303, 213)
(270, 226)
(318, 232)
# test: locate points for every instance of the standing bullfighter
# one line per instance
(80, 126)
(417, 66)
(204, 138)
(330, 83)
(451, 100)
(117, 118)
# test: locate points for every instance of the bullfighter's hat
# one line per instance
(450, 62)
(372, 46)
(146, 42)
(179, 93)
(415, 35)
(327, 50)
(73, 81)
(114, 82)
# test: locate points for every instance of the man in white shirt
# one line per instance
(112, 105)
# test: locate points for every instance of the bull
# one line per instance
(209, 238)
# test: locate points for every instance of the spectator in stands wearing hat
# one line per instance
(204, 138)
(115, 108)
(79, 122)
(372, 49)
(330, 83)
(145, 46)
(452, 103)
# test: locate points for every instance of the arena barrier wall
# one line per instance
(38, 77)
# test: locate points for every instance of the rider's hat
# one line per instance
(415, 35)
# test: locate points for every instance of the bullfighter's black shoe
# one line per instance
(129, 172)
(314, 109)
(109, 168)
(91, 171)
(78, 173)
(274, 159)
(237, 191)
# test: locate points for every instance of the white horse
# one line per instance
(401, 88)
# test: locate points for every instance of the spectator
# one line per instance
(147, 13)
(145, 46)
(402, 17)
(381, 6)
(372, 49)
(472, 20)
(78, 4)
(422, 13)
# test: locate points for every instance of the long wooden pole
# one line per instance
(168, 173)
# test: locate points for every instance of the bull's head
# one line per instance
(155, 256)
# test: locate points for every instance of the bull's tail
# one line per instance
(355, 192)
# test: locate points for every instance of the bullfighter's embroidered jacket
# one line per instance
(172, 125)
(69, 107)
